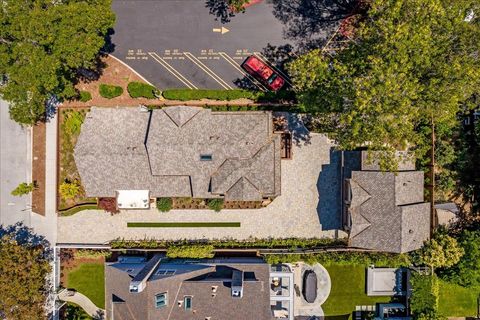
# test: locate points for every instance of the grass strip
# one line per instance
(183, 224)
(78, 208)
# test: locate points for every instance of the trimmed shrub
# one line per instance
(110, 91)
(215, 204)
(69, 189)
(85, 96)
(164, 204)
(189, 94)
(108, 204)
(142, 90)
(90, 253)
(73, 121)
(190, 251)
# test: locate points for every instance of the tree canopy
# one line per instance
(43, 43)
(412, 61)
(467, 271)
(24, 266)
(441, 251)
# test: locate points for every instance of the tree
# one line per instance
(467, 271)
(23, 189)
(69, 189)
(43, 45)
(425, 293)
(442, 251)
(413, 61)
(24, 266)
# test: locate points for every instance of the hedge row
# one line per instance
(188, 94)
(290, 243)
(344, 258)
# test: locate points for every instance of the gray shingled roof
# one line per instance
(130, 149)
(387, 210)
(197, 283)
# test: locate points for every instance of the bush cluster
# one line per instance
(85, 96)
(90, 253)
(142, 90)
(188, 94)
(215, 204)
(344, 258)
(192, 252)
(164, 204)
(110, 91)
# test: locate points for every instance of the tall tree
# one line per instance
(412, 61)
(42, 45)
(24, 266)
(440, 252)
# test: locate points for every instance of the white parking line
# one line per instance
(264, 59)
(207, 70)
(172, 70)
(239, 68)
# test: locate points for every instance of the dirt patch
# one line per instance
(114, 73)
(38, 168)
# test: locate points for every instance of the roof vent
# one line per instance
(214, 289)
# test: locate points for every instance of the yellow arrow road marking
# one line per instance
(264, 59)
(172, 70)
(221, 30)
(239, 68)
(207, 70)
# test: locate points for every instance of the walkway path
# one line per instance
(293, 214)
(83, 302)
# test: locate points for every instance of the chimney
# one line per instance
(237, 284)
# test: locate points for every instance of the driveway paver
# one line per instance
(293, 214)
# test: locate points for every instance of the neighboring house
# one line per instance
(384, 211)
(446, 214)
(234, 289)
(135, 153)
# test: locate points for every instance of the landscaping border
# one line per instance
(183, 224)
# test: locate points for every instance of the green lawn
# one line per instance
(348, 291)
(89, 279)
(457, 301)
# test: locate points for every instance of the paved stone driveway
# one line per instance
(293, 214)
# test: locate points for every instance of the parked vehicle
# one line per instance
(262, 72)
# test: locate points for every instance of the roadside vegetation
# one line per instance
(23, 189)
(142, 90)
(110, 91)
(44, 45)
(188, 94)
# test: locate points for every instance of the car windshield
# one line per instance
(272, 78)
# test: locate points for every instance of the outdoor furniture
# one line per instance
(310, 286)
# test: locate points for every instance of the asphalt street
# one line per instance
(180, 44)
(15, 167)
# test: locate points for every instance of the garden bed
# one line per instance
(196, 203)
(69, 125)
(38, 167)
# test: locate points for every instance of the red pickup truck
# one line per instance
(262, 72)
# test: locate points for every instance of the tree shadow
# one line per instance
(24, 236)
(220, 9)
(310, 22)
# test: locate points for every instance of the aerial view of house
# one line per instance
(178, 152)
(240, 160)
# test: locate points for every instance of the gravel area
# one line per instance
(293, 214)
